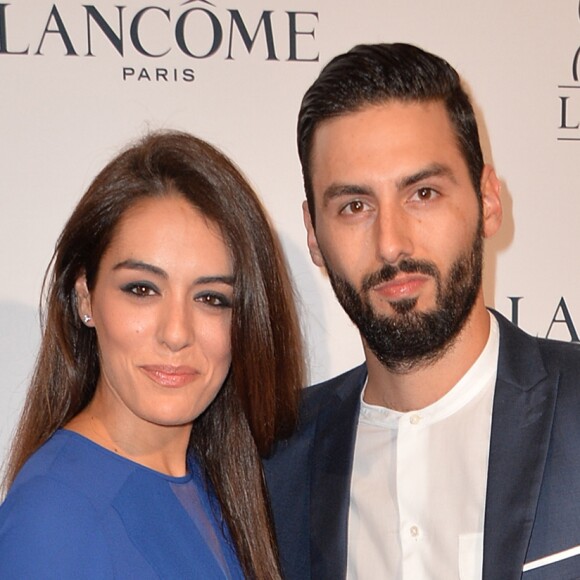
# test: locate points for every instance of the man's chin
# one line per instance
(404, 306)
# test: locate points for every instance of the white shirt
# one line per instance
(419, 480)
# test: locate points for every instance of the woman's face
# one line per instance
(161, 307)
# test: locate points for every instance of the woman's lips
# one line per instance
(170, 376)
(405, 286)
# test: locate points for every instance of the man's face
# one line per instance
(399, 227)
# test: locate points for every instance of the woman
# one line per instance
(170, 360)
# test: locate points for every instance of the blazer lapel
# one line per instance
(332, 458)
(523, 412)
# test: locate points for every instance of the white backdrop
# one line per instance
(77, 82)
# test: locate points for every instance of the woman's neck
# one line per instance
(158, 447)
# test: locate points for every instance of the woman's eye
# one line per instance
(354, 207)
(215, 300)
(140, 290)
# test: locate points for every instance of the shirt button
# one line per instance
(415, 419)
(414, 530)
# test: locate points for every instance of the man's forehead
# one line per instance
(393, 129)
(433, 105)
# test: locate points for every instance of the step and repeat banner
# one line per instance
(80, 80)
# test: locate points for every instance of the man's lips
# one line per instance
(170, 376)
(403, 286)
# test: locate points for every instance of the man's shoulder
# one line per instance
(331, 392)
(560, 354)
(527, 361)
(326, 397)
(555, 354)
(562, 361)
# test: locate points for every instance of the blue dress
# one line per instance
(77, 510)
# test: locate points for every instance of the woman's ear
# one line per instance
(84, 301)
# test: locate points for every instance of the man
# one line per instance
(454, 451)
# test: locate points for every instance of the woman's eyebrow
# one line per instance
(145, 267)
(229, 280)
(141, 266)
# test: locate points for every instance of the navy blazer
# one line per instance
(533, 483)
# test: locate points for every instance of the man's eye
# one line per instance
(353, 207)
(425, 194)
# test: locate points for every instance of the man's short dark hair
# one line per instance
(372, 74)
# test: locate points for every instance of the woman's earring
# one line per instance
(87, 318)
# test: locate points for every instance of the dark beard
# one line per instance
(408, 339)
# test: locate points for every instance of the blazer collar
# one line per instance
(523, 411)
(332, 456)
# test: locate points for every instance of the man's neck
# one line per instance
(421, 387)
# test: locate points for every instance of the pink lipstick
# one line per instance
(170, 376)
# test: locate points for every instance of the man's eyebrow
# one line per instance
(342, 189)
(433, 170)
(141, 266)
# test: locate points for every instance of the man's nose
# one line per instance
(394, 235)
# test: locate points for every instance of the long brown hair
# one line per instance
(258, 401)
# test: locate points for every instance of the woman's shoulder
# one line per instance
(63, 479)
(42, 500)
(71, 464)
(57, 512)
(40, 520)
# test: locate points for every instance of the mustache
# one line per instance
(407, 266)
